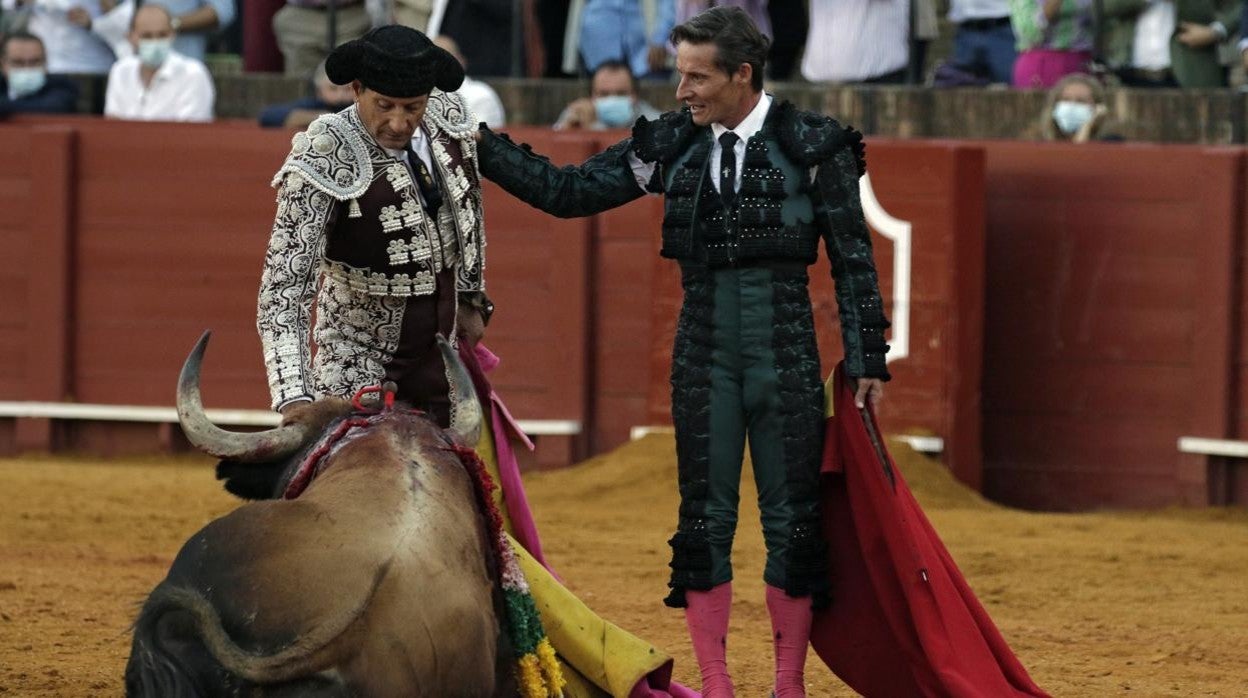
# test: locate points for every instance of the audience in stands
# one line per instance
(1076, 112)
(411, 13)
(1054, 39)
(1243, 31)
(158, 83)
(486, 31)
(983, 41)
(924, 29)
(25, 86)
(793, 23)
(1164, 43)
(614, 102)
(633, 32)
(876, 50)
(326, 97)
(194, 21)
(302, 30)
(480, 97)
(65, 28)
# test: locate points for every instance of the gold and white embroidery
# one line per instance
(359, 311)
(288, 285)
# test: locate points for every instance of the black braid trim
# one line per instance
(679, 213)
(691, 414)
(806, 137)
(663, 139)
(764, 182)
(801, 397)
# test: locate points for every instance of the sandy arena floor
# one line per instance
(1106, 604)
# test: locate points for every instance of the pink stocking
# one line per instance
(790, 625)
(707, 618)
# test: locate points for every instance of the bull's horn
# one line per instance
(466, 412)
(252, 447)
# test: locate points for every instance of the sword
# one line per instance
(879, 447)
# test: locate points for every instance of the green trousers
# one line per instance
(746, 367)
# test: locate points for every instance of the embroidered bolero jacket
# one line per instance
(349, 214)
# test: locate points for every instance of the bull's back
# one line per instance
(378, 572)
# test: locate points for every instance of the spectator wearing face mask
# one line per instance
(1076, 112)
(158, 83)
(613, 102)
(26, 86)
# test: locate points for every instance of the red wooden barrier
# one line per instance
(1113, 306)
(1109, 319)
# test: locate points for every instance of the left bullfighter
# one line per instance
(383, 200)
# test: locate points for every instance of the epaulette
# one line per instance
(663, 139)
(449, 112)
(331, 156)
(812, 139)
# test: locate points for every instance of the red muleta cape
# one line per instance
(903, 621)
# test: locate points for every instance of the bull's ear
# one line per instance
(250, 480)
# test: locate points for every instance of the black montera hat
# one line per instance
(395, 61)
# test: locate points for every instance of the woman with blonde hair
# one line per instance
(1076, 111)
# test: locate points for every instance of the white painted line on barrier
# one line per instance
(899, 232)
(236, 417)
(922, 444)
(1213, 447)
(640, 432)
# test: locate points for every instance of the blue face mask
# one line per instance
(153, 52)
(1071, 116)
(26, 81)
(615, 110)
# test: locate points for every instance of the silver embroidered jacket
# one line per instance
(349, 218)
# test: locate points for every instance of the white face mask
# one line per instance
(153, 52)
(614, 110)
(26, 81)
(1071, 116)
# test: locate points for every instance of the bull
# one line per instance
(375, 581)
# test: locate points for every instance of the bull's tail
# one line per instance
(176, 619)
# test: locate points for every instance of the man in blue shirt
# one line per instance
(26, 86)
(196, 20)
(630, 31)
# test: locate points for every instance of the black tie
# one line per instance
(728, 168)
(424, 180)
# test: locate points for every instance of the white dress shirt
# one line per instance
(854, 40)
(181, 90)
(750, 125)
(962, 10)
(70, 48)
(1153, 28)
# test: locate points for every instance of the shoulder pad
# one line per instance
(448, 112)
(662, 139)
(812, 139)
(330, 155)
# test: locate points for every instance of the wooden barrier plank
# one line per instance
(1110, 301)
(50, 297)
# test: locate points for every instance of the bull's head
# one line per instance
(283, 441)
